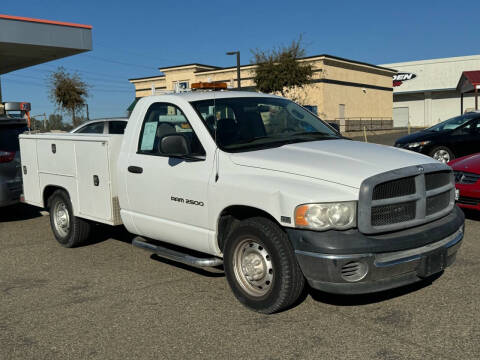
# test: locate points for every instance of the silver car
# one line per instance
(10, 168)
(102, 126)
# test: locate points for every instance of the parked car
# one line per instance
(259, 184)
(450, 139)
(10, 168)
(467, 181)
(102, 126)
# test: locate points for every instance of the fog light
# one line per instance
(354, 271)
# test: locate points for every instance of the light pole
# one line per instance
(238, 66)
(88, 115)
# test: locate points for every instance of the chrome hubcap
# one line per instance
(442, 156)
(61, 218)
(253, 268)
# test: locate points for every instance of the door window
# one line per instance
(163, 119)
(116, 127)
(94, 128)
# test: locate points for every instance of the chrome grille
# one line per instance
(438, 202)
(466, 177)
(405, 197)
(398, 187)
(393, 213)
(437, 179)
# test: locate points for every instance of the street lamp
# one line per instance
(238, 66)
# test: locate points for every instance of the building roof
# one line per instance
(148, 77)
(433, 75)
(25, 41)
(469, 80)
(212, 68)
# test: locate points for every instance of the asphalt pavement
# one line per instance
(109, 300)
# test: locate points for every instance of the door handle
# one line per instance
(135, 169)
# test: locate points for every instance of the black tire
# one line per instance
(437, 149)
(78, 230)
(287, 279)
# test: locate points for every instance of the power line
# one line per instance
(115, 82)
(94, 89)
(119, 62)
(88, 77)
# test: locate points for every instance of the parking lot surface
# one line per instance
(109, 300)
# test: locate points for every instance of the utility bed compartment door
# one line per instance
(56, 157)
(93, 181)
(31, 186)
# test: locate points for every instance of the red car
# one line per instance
(467, 181)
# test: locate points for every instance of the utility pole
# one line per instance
(0, 89)
(88, 115)
(239, 86)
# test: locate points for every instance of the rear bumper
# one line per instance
(351, 272)
(10, 192)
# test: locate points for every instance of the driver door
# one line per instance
(168, 195)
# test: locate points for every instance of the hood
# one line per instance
(419, 136)
(340, 161)
(470, 163)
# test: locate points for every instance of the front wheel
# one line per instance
(442, 154)
(261, 267)
(69, 230)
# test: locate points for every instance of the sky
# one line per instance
(134, 38)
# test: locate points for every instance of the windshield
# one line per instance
(453, 123)
(249, 123)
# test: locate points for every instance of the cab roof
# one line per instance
(209, 95)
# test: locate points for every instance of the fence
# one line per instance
(361, 123)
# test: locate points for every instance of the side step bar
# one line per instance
(176, 255)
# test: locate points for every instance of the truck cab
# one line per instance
(260, 184)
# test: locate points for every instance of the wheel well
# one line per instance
(232, 215)
(48, 192)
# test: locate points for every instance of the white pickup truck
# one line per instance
(257, 183)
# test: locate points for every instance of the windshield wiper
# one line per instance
(316, 133)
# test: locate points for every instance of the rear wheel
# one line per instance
(442, 154)
(261, 267)
(69, 230)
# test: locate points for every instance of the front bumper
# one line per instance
(469, 196)
(347, 271)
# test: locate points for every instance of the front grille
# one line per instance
(398, 187)
(466, 177)
(405, 197)
(437, 179)
(438, 202)
(394, 213)
(468, 200)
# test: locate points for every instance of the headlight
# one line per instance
(417, 144)
(340, 216)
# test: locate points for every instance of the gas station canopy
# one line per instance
(25, 42)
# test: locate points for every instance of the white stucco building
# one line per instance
(425, 93)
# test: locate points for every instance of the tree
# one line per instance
(55, 122)
(68, 91)
(279, 71)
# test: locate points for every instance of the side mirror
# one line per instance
(335, 126)
(174, 145)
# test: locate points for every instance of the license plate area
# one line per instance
(432, 263)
